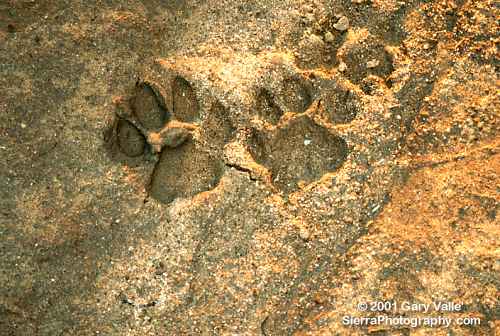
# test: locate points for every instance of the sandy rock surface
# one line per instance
(248, 167)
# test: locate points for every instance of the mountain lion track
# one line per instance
(285, 126)
(281, 124)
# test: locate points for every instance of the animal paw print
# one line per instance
(362, 56)
(295, 96)
(297, 153)
(276, 125)
(366, 60)
(294, 148)
(145, 126)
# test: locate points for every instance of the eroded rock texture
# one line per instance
(247, 167)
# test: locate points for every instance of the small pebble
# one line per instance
(304, 233)
(315, 40)
(372, 64)
(307, 142)
(23, 125)
(342, 67)
(342, 24)
(329, 37)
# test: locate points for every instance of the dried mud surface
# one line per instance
(247, 167)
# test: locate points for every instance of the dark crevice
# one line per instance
(242, 169)
(125, 300)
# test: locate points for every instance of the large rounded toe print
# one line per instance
(147, 107)
(267, 109)
(185, 104)
(130, 140)
(296, 95)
